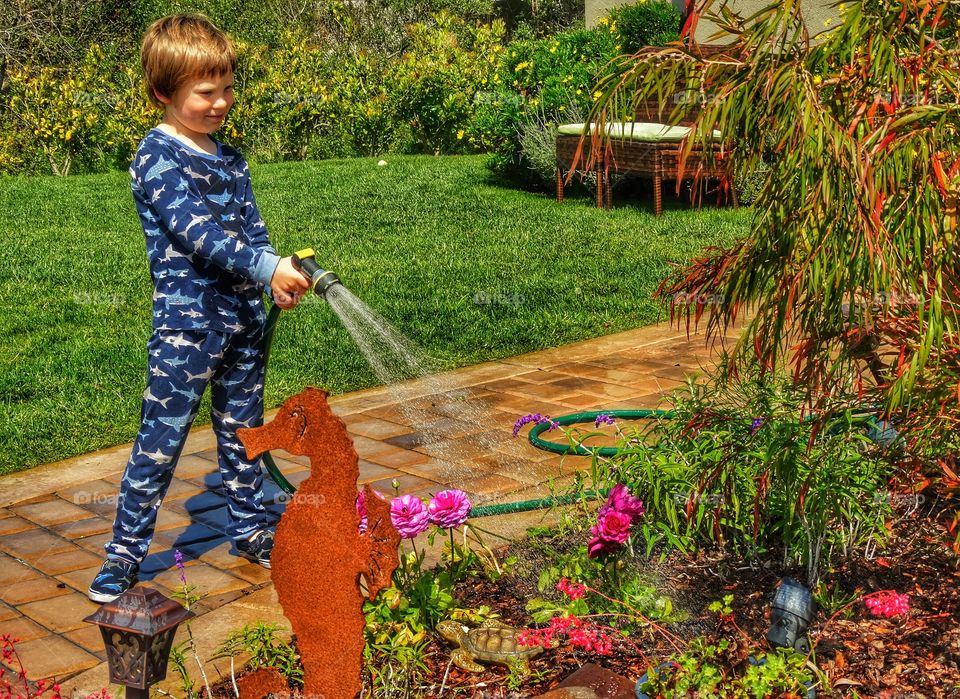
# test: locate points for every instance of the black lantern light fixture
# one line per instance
(791, 612)
(138, 629)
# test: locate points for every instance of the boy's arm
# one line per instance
(177, 202)
(253, 224)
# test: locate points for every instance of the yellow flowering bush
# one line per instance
(86, 117)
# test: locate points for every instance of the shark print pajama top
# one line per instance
(210, 261)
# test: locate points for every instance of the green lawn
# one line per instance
(420, 240)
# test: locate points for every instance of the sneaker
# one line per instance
(115, 578)
(257, 548)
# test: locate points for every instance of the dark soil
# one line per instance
(861, 655)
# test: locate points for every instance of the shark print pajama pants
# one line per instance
(180, 365)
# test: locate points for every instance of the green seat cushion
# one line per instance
(635, 131)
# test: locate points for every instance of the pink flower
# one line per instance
(409, 516)
(574, 591)
(362, 512)
(579, 633)
(621, 500)
(613, 526)
(611, 530)
(449, 508)
(887, 603)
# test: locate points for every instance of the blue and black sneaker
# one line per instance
(257, 548)
(115, 578)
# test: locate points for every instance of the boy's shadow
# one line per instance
(208, 524)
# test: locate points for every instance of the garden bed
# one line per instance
(859, 654)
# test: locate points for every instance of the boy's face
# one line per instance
(200, 105)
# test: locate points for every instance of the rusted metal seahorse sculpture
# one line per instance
(319, 554)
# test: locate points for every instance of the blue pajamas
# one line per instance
(180, 364)
(210, 261)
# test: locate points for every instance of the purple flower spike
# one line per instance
(362, 512)
(604, 419)
(755, 425)
(178, 558)
(533, 417)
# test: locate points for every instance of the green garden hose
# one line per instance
(268, 462)
(590, 416)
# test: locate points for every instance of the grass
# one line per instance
(464, 265)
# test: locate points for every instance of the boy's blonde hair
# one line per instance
(179, 48)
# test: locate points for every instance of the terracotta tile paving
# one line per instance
(7, 612)
(57, 519)
(32, 590)
(65, 561)
(13, 570)
(54, 656)
(23, 628)
(59, 614)
(83, 527)
(56, 511)
(14, 524)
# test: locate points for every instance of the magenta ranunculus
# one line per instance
(449, 508)
(621, 500)
(362, 512)
(409, 516)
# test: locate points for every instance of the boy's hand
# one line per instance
(288, 284)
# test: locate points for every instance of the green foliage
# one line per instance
(433, 88)
(740, 464)
(853, 242)
(647, 23)
(265, 649)
(703, 670)
(545, 79)
(88, 116)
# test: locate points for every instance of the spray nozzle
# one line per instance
(320, 279)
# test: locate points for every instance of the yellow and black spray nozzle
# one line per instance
(320, 279)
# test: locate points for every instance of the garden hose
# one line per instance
(320, 282)
(590, 416)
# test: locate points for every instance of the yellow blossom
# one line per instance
(460, 134)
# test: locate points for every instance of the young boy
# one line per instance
(210, 261)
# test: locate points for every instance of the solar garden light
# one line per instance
(791, 612)
(138, 629)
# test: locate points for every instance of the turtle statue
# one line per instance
(492, 642)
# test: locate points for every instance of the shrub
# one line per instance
(739, 465)
(433, 88)
(85, 117)
(648, 23)
(546, 77)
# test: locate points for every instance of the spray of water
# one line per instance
(431, 398)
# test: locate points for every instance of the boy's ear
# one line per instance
(163, 99)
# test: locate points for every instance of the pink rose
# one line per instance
(449, 508)
(613, 526)
(621, 500)
(409, 516)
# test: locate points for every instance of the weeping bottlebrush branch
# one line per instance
(859, 207)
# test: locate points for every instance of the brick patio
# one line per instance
(55, 519)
